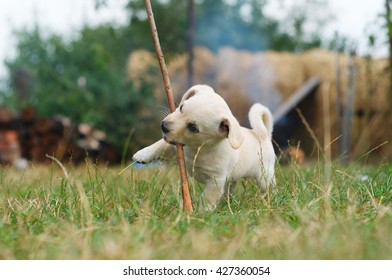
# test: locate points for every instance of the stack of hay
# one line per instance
(244, 78)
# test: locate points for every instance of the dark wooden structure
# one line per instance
(286, 119)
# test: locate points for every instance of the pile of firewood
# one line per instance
(29, 138)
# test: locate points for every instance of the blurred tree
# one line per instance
(303, 21)
(171, 18)
(190, 40)
(84, 79)
(388, 25)
(241, 24)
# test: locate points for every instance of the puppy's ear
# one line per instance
(190, 93)
(230, 128)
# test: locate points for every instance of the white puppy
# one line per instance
(217, 149)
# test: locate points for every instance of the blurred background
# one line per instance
(80, 79)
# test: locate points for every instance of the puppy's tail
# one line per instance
(261, 121)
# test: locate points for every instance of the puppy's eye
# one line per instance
(192, 127)
(181, 108)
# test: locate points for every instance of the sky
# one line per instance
(352, 18)
(54, 16)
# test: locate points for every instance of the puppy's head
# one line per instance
(202, 117)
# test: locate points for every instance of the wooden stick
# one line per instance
(186, 196)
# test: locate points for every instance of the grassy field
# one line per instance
(90, 212)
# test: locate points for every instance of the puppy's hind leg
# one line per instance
(155, 151)
(266, 182)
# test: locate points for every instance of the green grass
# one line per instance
(313, 213)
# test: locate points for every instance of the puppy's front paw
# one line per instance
(144, 155)
(209, 199)
(205, 206)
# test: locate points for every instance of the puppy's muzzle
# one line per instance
(164, 127)
(166, 130)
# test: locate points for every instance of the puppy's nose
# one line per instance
(164, 127)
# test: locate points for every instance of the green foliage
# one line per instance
(84, 79)
(219, 23)
(170, 17)
(244, 25)
(96, 214)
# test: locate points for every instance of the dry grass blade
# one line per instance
(60, 164)
(119, 173)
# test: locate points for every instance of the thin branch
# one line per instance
(165, 75)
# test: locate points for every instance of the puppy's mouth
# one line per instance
(172, 142)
